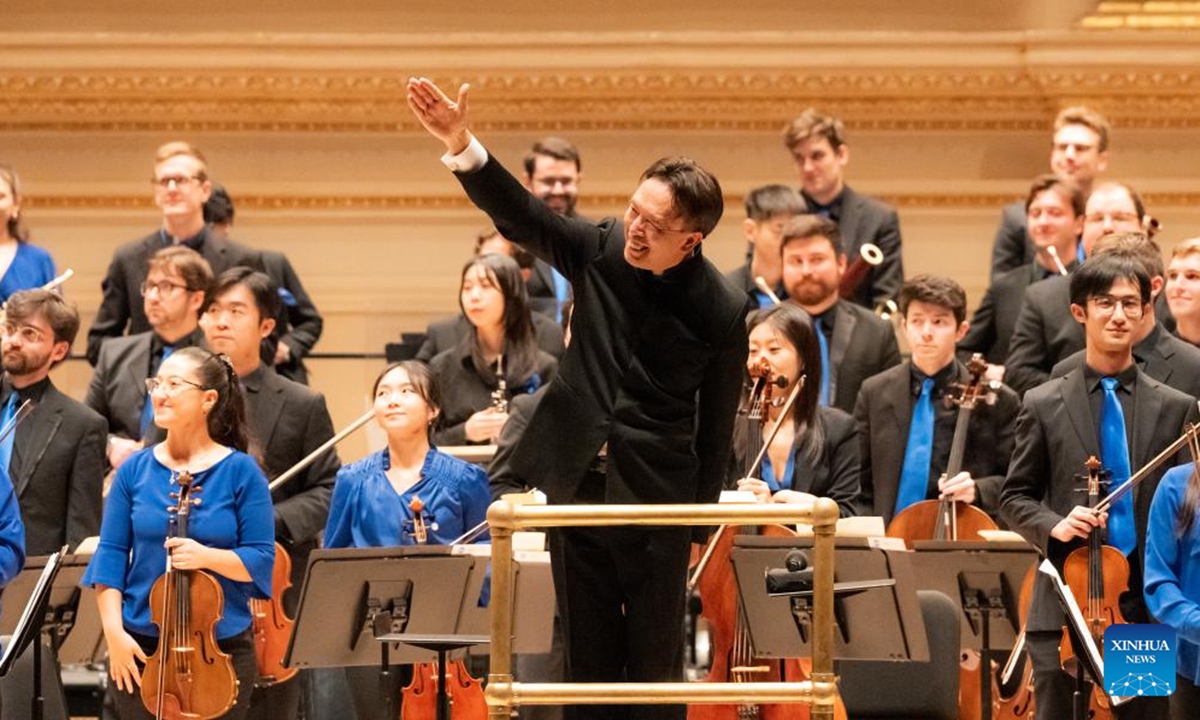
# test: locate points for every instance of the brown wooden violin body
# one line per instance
(188, 677)
(271, 626)
(1014, 700)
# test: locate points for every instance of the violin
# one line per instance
(946, 518)
(1012, 694)
(464, 693)
(733, 654)
(271, 625)
(188, 677)
(1097, 574)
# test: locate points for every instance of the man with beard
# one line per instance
(552, 173)
(855, 344)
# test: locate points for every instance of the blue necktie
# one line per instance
(1114, 451)
(6, 447)
(918, 454)
(826, 371)
(562, 291)
(148, 405)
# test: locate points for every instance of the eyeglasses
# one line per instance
(28, 333)
(181, 181)
(164, 288)
(171, 386)
(1107, 305)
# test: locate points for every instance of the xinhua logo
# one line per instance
(1139, 660)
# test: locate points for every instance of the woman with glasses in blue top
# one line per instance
(198, 401)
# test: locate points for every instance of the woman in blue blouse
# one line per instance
(1172, 585)
(372, 502)
(22, 266)
(198, 401)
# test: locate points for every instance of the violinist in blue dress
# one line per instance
(22, 266)
(816, 451)
(198, 401)
(378, 500)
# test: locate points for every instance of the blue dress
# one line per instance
(1172, 584)
(366, 511)
(32, 267)
(234, 514)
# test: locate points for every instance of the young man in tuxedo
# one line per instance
(553, 171)
(768, 211)
(906, 429)
(1109, 409)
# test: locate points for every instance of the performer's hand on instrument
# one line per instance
(187, 554)
(444, 118)
(761, 490)
(994, 373)
(961, 487)
(1078, 524)
(123, 654)
(794, 497)
(485, 425)
(119, 449)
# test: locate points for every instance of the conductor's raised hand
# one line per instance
(444, 118)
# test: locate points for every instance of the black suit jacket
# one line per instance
(995, 319)
(299, 323)
(867, 220)
(57, 470)
(654, 367)
(1012, 247)
(121, 304)
(1160, 355)
(447, 333)
(1056, 433)
(541, 290)
(863, 345)
(835, 474)
(1045, 333)
(288, 421)
(884, 412)
(502, 477)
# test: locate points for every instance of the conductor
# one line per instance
(642, 408)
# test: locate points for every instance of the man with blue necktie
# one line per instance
(1109, 409)
(855, 343)
(905, 426)
(553, 170)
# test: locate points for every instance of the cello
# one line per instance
(1097, 575)
(463, 695)
(733, 653)
(188, 677)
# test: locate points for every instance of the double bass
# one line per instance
(462, 694)
(733, 653)
(188, 676)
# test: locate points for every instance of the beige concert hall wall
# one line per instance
(311, 135)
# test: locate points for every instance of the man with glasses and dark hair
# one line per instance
(1109, 409)
(173, 294)
(181, 187)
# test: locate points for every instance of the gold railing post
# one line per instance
(825, 515)
(499, 686)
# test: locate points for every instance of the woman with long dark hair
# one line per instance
(409, 493)
(198, 401)
(497, 360)
(1172, 583)
(815, 453)
(22, 266)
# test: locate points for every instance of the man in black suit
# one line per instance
(287, 422)
(1062, 424)
(173, 295)
(56, 459)
(553, 170)
(856, 343)
(181, 187)
(1078, 153)
(900, 465)
(652, 375)
(1156, 351)
(768, 210)
(1045, 331)
(299, 325)
(818, 147)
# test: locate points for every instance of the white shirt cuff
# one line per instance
(473, 157)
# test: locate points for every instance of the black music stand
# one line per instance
(47, 592)
(358, 605)
(875, 623)
(983, 579)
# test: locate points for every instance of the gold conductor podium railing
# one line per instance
(503, 694)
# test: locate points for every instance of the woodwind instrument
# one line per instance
(1058, 263)
(500, 394)
(869, 256)
(760, 282)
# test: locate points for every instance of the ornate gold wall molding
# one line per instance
(689, 81)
